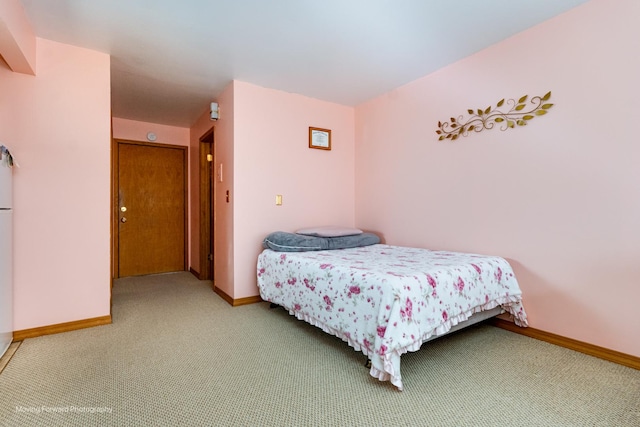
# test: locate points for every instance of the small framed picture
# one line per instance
(320, 138)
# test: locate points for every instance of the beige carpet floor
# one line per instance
(178, 355)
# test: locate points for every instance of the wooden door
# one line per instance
(151, 208)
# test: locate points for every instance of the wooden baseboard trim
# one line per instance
(239, 301)
(582, 347)
(247, 300)
(223, 295)
(194, 272)
(60, 327)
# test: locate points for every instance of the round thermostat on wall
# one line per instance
(151, 136)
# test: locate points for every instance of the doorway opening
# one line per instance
(207, 207)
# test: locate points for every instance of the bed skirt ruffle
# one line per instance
(391, 360)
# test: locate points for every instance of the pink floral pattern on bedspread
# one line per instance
(386, 300)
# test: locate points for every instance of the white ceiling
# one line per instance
(171, 58)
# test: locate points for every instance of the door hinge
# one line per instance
(210, 257)
(209, 157)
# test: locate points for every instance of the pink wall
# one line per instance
(261, 139)
(557, 198)
(57, 125)
(224, 154)
(270, 157)
(554, 198)
(137, 131)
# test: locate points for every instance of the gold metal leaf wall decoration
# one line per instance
(519, 114)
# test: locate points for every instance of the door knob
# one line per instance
(123, 208)
(123, 219)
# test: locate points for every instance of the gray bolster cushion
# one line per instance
(282, 241)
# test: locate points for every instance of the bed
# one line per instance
(387, 300)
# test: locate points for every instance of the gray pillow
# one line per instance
(329, 231)
(282, 241)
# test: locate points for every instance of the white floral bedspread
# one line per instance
(385, 300)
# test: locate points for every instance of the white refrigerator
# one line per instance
(6, 261)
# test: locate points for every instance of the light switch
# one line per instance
(278, 199)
